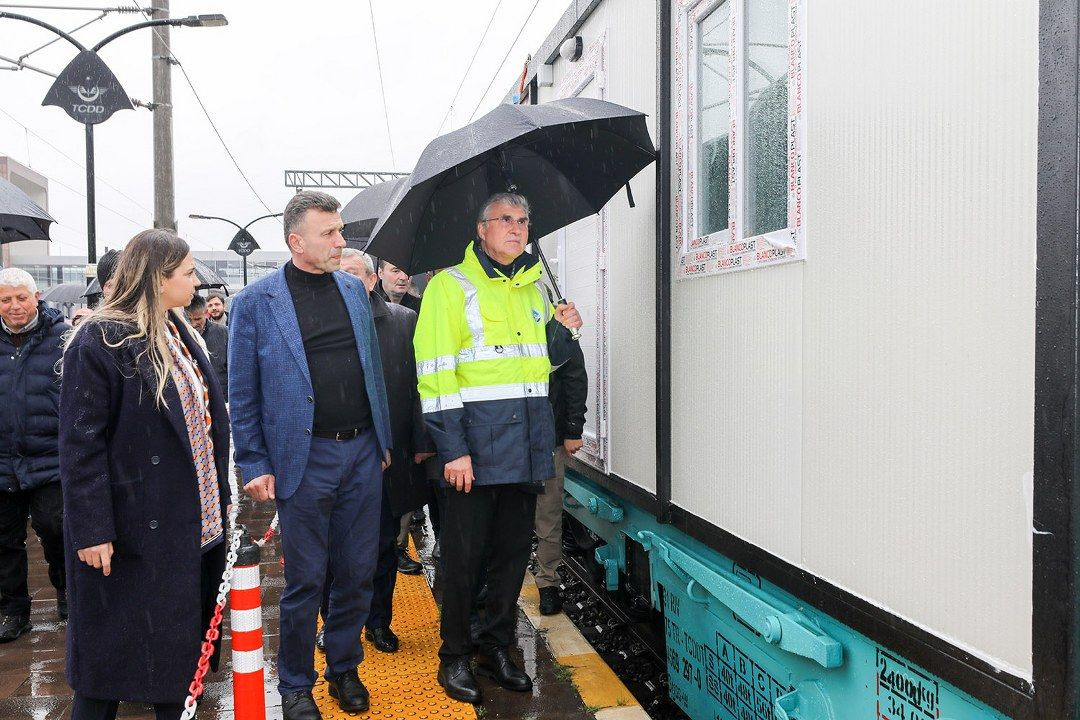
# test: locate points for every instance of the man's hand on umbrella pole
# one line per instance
(567, 315)
(459, 473)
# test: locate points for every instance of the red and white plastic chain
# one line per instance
(269, 532)
(213, 632)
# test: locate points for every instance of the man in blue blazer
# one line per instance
(311, 430)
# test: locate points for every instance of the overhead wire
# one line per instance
(469, 68)
(206, 112)
(58, 38)
(382, 91)
(75, 162)
(503, 63)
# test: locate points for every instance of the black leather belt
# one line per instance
(339, 436)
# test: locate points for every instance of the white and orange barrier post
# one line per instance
(249, 701)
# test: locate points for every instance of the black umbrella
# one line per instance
(207, 277)
(20, 217)
(568, 157)
(362, 212)
(73, 292)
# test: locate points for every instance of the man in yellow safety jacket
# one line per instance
(486, 341)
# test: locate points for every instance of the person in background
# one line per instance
(31, 337)
(312, 431)
(215, 336)
(106, 266)
(568, 390)
(144, 463)
(394, 286)
(79, 315)
(215, 305)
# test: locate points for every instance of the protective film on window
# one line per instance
(739, 134)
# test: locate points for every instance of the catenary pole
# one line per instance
(161, 64)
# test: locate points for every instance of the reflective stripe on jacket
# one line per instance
(482, 368)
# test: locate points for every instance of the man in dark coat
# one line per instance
(214, 335)
(568, 390)
(405, 485)
(30, 347)
(393, 286)
(215, 306)
(138, 492)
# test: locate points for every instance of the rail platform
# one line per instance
(402, 684)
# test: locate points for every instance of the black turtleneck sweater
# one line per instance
(337, 376)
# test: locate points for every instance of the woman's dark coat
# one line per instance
(404, 481)
(129, 478)
(29, 392)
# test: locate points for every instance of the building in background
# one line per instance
(49, 270)
(36, 186)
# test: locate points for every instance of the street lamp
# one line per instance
(243, 242)
(89, 93)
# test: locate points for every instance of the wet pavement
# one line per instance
(33, 686)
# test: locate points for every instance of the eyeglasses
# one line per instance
(506, 221)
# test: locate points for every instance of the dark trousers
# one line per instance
(45, 507)
(382, 597)
(331, 520)
(84, 708)
(488, 528)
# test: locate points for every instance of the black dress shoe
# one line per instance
(320, 640)
(383, 638)
(61, 608)
(496, 664)
(351, 694)
(550, 601)
(406, 565)
(457, 680)
(299, 706)
(12, 626)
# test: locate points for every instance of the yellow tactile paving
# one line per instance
(402, 684)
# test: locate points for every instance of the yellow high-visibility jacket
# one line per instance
(482, 364)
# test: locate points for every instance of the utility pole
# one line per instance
(161, 62)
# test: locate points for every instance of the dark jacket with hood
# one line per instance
(30, 393)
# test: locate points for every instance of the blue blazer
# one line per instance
(270, 392)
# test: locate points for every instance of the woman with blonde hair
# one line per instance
(144, 446)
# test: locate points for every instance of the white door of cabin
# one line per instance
(582, 249)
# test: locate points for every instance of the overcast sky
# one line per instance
(294, 88)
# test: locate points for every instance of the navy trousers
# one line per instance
(382, 598)
(332, 520)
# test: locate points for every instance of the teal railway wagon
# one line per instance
(832, 426)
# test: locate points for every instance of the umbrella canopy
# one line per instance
(73, 293)
(206, 275)
(20, 217)
(362, 212)
(568, 157)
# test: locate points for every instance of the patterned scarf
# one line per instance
(195, 400)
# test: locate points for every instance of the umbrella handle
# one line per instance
(575, 333)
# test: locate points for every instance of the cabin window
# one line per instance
(766, 113)
(713, 120)
(738, 133)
